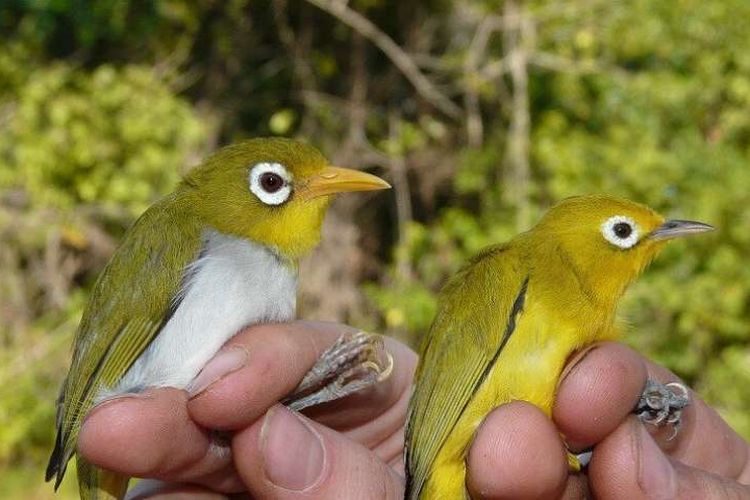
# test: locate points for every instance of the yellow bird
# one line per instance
(509, 320)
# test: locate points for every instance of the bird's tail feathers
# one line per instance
(58, 462)
(99, 484)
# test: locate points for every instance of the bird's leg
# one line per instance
(662, 404)
(352, 363)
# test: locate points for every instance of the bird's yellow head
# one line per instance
(608, 241)
(272, 191)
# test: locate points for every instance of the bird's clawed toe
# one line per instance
(354, 362)
(662, 404)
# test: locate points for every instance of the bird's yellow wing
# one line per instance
(133, 298)
(478, 313)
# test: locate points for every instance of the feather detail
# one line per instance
(98, 484)
(131, 301)
(234, 283)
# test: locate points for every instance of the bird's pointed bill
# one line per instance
(678, 228)
(332, 180)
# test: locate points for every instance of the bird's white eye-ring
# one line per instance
(271, 183)
(621, 231)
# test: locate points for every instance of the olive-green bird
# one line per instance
(218, 254)
(509, 320)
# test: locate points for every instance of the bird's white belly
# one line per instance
(233, 284)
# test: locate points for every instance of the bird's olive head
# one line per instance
(608, 241)
(273, 191)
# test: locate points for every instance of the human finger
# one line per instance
(375, 417)
(264, 363)
(629, 464)
(598, 390)
(704, 439)
(286, 455)
(151, 435)
(601, 390)
(516, 453)
(157, 490)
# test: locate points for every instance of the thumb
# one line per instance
(287, 456)
(628, 464)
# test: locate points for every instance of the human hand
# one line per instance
(350, 448)
(517, 452)
(513, 454)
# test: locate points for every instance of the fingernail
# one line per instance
(224, 363)
(115, 400)
(293, 453)
(575, 361)
(656, 476)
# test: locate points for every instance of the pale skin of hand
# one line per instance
(352, 448)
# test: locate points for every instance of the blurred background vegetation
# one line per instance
(481, 113)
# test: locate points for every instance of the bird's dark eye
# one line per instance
(622, 230)
(271, 182)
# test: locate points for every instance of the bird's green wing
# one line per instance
(133, 298)
(478, 312)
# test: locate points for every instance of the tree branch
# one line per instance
(517, 44)
(472, 82)
(398, 57)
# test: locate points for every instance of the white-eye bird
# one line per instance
(217, 254)
(509, 320)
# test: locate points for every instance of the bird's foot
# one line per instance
(354, 362)
(662, 404)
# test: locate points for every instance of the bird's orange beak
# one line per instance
(332, 180)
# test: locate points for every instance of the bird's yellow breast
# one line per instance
(527, 369)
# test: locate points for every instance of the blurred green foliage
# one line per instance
(655, 107)
(104, 104)
(82, 151)
(111, 137)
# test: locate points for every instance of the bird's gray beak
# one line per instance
(678, 228)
